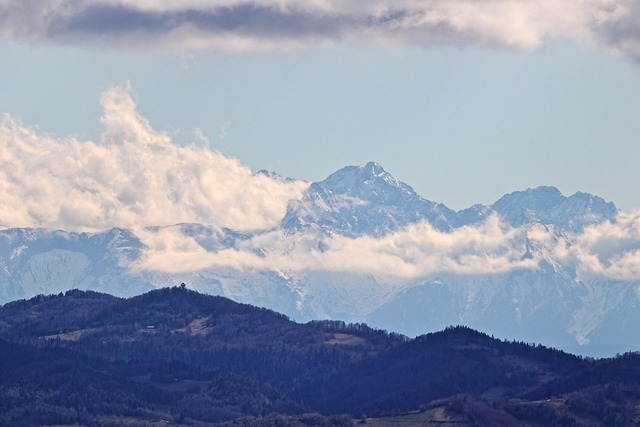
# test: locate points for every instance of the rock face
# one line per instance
(549, 206)
(356, 201)
(547, 303)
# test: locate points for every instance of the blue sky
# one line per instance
(533, 96)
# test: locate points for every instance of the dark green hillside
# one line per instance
(456, 360)
(176, 356)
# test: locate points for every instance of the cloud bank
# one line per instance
(604, 251)
(256, 25)
(133, 177)
(416, 251)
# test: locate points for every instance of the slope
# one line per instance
(187, 358)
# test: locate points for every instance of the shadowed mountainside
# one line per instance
(187, 358)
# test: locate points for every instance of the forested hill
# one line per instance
(176, 356)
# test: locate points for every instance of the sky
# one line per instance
(463, 100)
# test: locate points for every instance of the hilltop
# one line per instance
(186, 358)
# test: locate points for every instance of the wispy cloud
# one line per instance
(420, 250)
(133, 177)
(238, 25)
(416, 251)
(610, 250)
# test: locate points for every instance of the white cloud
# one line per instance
(241, 25)
(420, 250)
(134, 177)
(169, 250)
(416, 251)
(609, 250)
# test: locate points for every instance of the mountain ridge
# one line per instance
(363, 200)
(353, 186)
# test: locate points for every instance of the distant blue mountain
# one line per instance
(356, 201)
(367, 200)
(547, 205)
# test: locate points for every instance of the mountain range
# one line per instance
(361, 246)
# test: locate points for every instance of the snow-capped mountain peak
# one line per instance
(367, 200)
(370, 182)
(548, 205)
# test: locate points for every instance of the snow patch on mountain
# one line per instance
(356, 201)
(55, 271)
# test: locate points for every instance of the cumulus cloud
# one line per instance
(420, 250)
(622, 33)
(133, 177)
(136, 177)
(237, 25)
(609, 250)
